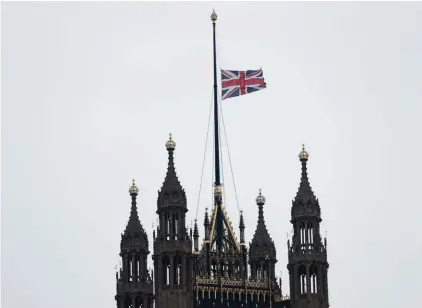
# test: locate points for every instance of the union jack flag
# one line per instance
(236, 83)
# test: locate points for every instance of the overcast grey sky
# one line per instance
(91, 91)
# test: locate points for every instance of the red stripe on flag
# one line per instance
(246, 82)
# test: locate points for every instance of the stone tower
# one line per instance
(308, 264)
(134, 283)
(172, 244)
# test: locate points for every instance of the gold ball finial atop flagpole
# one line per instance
(213, 17)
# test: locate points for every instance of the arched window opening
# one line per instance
(302, 234)
(167, 226)
(172, 226)
(177, 270)
(302, 280)
(305, 231)
(166, 270)
(310, 233)
(313, 279)
(265, 272)
(176, 226)
(130, 270)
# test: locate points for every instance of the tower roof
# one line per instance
(262, 244)
(134, 235)
(305, 202)
(172, 192)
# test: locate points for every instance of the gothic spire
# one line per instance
(305, 202)
(207, 225)
(262, 245)
(242, 228)
(134, 234)
(196, 237)
(172, 192)
(241, 221)
(171, 176)
(134, 286)
(308, 264)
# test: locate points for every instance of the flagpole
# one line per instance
(217, 185)
(216, 135)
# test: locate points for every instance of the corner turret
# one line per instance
(134, 283)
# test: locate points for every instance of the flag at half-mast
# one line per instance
(236, 83)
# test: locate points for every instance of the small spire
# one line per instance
(134, 226)
(242, 229)
(242, 221)
(305, 202)
(213, 17)
(133, 190)
(195, 229)
(171, 192)
(206, 219)
(305, 187)
(262, 244)
(207, 225)
(170, 144)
